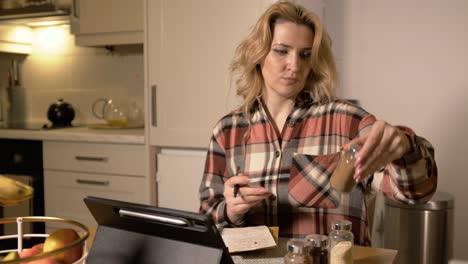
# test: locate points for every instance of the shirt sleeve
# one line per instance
(411, 179)
(211, 190)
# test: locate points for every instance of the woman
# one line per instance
(270, 161)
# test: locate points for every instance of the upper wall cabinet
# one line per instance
(15, 39)
(189, 46)
(107, 22)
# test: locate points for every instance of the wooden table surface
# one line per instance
(362, 255)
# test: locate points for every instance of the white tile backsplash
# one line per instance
(79, 75)
(46, 73)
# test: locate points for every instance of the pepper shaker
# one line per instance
(318, 249)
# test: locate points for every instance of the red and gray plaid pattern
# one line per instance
(297, 165)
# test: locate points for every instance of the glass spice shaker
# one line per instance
(318, 250)
(342, 178)
(341, 242)
(298, 252)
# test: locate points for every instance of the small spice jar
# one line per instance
(318, 249)
(298, 252)
(341, 242)
(342, 178)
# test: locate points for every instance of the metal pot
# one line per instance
(61, 113)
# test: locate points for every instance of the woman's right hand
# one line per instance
(246, 198)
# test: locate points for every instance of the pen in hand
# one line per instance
(236, 190)
(236, 186)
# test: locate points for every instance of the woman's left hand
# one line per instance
(382, 145)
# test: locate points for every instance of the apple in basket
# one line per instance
(29, 252)
(57, 239)
(61, 238)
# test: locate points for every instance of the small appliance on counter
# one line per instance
(61, 114)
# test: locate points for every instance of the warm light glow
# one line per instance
(44, 23)
(50, 40)
(22, 35)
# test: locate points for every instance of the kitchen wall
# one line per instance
(57, 68)
(407, 61)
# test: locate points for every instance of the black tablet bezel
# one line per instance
(183, 226)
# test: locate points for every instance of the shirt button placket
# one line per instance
(274, 198)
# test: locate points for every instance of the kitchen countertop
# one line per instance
(81, 134)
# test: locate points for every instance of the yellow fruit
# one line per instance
(11, 256)
(12, 192)
(61, 238)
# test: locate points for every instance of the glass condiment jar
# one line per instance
(341, 243)
(298, 252)
(342, 178)
(318, 249)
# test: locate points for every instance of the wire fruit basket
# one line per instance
(20, 236)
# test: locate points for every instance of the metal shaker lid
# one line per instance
(439, 201)
(317, 240)
(343, 225)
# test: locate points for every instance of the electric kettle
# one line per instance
(61, 113)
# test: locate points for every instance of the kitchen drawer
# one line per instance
(121, 159)
(65, 191)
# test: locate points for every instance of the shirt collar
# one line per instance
(303, 100)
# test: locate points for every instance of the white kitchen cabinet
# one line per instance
(178, 177)
(123, 159)
(74, 170)
(65, 191)
(107, 22)
(188, 49)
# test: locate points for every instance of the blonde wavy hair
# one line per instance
(252, 50)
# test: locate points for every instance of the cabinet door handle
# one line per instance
(91, 182)
(154, 119)
(95, 159)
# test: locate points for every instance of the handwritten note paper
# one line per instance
(247, 238)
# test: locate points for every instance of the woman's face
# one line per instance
(287, 65)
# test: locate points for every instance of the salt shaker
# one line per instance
(342, 178)
(318, 249)
(341, 243)
(298, 252)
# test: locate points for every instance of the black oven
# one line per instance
(22, 161)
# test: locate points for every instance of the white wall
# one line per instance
(57, 68)
(407, 61)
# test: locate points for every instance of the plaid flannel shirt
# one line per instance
(296, 167)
